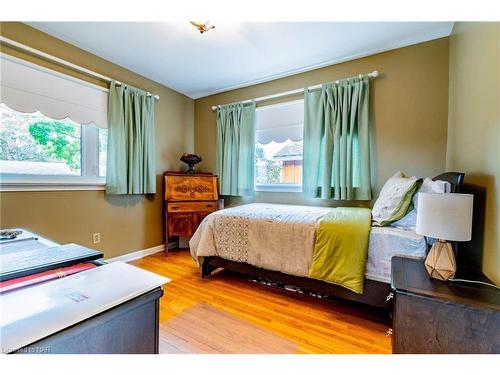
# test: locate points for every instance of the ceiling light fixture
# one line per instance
(202, 27)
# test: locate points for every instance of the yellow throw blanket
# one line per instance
(341, 247)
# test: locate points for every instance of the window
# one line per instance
(278, 147)
(34, 147)
(51, 128)
(32, 144)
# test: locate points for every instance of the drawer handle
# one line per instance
(389, 297)
(174, 208)
(209, 205)
(389, 332)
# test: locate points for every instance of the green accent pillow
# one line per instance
(395, 199)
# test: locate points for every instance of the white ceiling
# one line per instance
(236, 54)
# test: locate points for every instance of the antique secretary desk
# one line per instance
(188, 198)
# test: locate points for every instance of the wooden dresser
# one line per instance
(188, 199)
(432, 316)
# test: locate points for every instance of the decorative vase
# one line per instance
(191, 160)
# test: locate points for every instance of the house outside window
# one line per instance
(278, 147)
(290, 156)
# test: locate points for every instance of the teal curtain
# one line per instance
(336, 141)
(131, 155)
(236, 149)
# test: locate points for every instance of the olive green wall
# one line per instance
(126, 223)
(409, 107)
(474, 123)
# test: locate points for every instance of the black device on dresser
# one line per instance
(432, 316)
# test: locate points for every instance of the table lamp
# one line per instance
(446, 217)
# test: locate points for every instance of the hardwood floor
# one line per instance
(206, 329)
(245, 311)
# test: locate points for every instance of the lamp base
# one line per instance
(440, 262)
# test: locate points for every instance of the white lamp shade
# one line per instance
(445, 216)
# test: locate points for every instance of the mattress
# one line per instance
(386, 242)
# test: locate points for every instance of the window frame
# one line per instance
(278, 188)
(88, 179)
(281, 187)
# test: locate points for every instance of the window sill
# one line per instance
(278, 188)
(51, 186)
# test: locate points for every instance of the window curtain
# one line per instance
(336, 141)
(131, 156)
(236, 149)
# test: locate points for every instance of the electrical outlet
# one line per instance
(96, 238)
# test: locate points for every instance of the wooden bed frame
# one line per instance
(375, 292)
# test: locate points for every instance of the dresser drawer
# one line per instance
(190, 188)
(192, 207)
(180, 224)
(185, 223)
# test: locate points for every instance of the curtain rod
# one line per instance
(373, 74)
(59, 61)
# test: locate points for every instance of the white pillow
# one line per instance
(409, 221)
(394, 199)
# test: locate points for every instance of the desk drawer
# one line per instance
(190, 188)
(192, 206)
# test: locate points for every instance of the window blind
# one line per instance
(28, 87)
(279, 122)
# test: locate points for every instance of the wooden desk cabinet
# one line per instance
(126, 326)
(129, 328)
(432, 316)
(188, 199)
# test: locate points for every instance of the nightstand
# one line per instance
(432, 316)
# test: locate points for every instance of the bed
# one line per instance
(276, 242)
